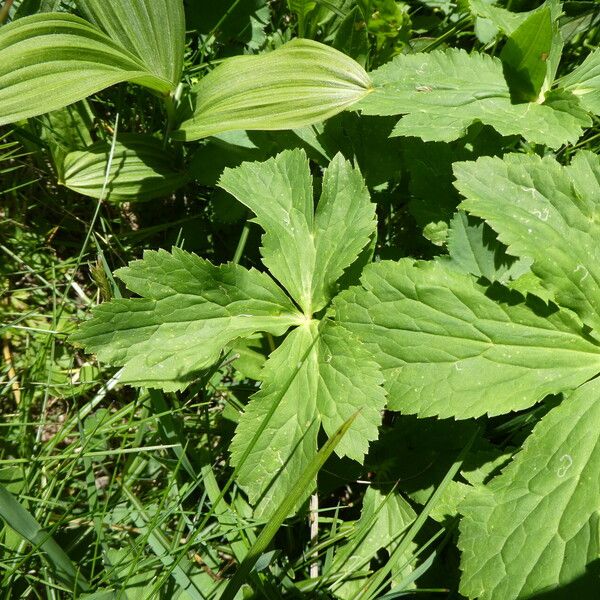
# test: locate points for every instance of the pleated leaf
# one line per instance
(141, 169)
(536, 527)
(188, 312)
(301, 83)
(448, 349)
(53, 59)
(153, 30)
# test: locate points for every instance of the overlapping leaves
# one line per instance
(449, 346)
(190, 311)
(50, 60)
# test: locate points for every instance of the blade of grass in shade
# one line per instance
(21, 520)
(373, 587)
(170, 430)
(183, 571)
(305, 481)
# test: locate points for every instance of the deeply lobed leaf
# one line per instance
(188, 312)
(442, 93)
(318, 376)
(548, 213)
(307, 250)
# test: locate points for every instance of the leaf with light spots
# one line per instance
(548, 213)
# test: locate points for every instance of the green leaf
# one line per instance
(546, 212)
(306, 250)
(474, 249)
(442, 93)
(65, 130)
(503, 19)
(351, 38)
(300, 83)
(189, 311)
(584, 82)
(54, 59)
(536, 526)
(231, 23)
(383, 519)
(525, 54)
(301, 7)
(153, 30)
(449, 349)
(330, 376)
(141, 169)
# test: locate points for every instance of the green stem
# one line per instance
(242, 243)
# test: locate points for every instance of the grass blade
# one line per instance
(21, 520)
(271, 528)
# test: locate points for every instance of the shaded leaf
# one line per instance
(584, 82)
(474, 248)
(525, 55)
(141, 169)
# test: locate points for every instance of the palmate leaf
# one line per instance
(300, 83)
(449, 349)
(441, 93)
(306, 250)
(320, 375)
(188, 312)
(50, 60)
(537, 525)
(141, 169)
(548, 213)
